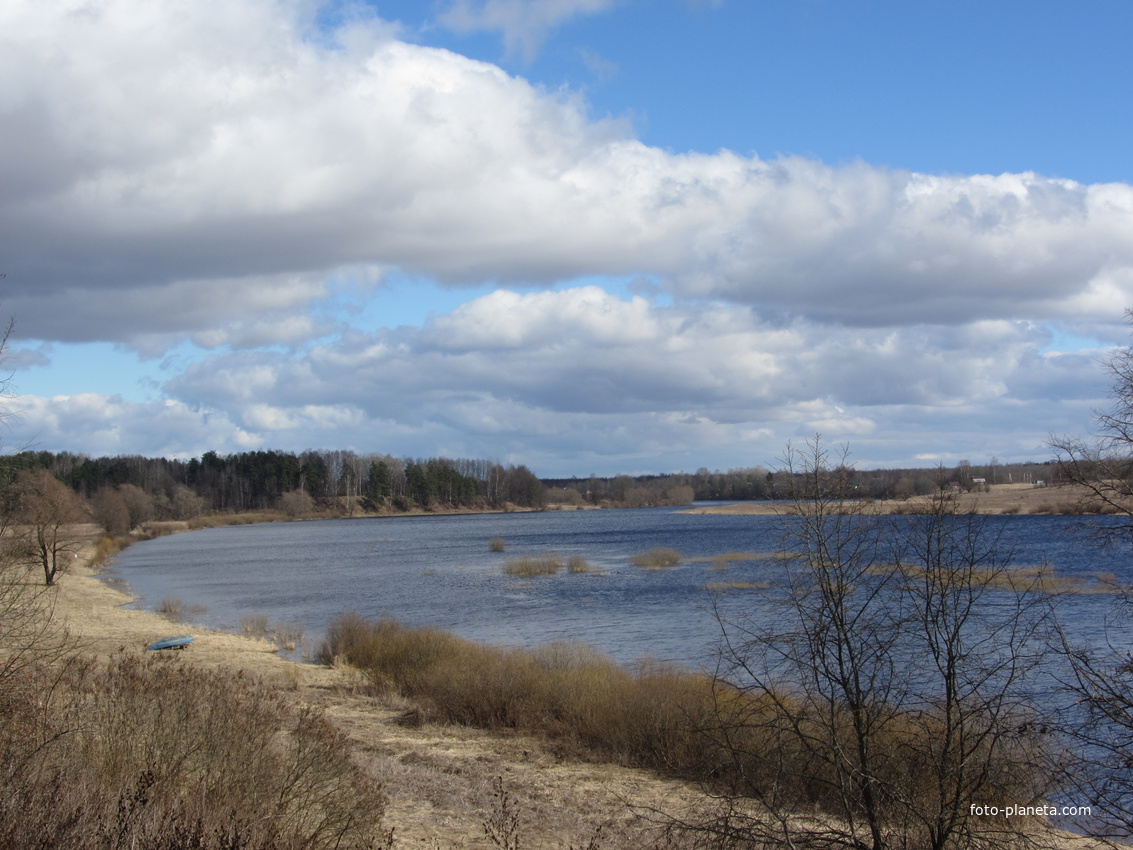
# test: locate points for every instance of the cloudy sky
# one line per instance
(592, 236)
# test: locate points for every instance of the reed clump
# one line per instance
(736, 584)
(497, 544)
(577, 564)
(533, 565)
(656, 558)
(172, 607)
(254, 625)
(106, 547)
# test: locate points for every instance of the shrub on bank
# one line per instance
(151, 752)
(658, 716)
(647, 717)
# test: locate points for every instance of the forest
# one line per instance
(343, 482)
(338, 481)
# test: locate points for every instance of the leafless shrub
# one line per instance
(149, 752)
(894, 690)
(501, 826)
(255, 625)
(1101, 677)
(172, 607)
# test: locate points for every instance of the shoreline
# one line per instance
(1006, 499)
(440, 779)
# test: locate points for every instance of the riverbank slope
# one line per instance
(441, 780)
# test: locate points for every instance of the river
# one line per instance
(438, 570)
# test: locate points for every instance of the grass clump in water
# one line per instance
(497, 544)
(531, 565)
(577, 564)
(656, 558)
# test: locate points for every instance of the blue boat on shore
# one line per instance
(177, 642)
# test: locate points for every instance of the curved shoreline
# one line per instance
(440, 780)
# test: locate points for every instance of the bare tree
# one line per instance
(49, 512)
(1102, 465)
(891, 692)
(1101, 675)
(1100, 720)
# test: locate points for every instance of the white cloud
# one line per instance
(523, 23)
(217, 159)
(223, 172)
(556, 377)
(101, 425)
(599, 66)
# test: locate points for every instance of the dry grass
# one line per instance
(106, 548)
(246, 518)
(156, 528)
(533, 565)
(737, 584)
(145, 751)
(656, 558)
(287, 636)
(568, 692)
(255, 625)
(176, 609)
(497, 544)
(1026, 579)
(725, 560)
(577, 564)
(669, 719)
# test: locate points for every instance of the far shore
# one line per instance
(996, 499)
(993, 499)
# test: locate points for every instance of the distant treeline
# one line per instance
(757, 483)
(345, 482)
(264, 480)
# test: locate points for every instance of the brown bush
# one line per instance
(151, 752)
(652, 716)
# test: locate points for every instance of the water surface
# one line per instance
(438, 570)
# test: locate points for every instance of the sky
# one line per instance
(589, 236)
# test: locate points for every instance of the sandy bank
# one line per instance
(440, 779)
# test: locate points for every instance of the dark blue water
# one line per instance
(439, 571)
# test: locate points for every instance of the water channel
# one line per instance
(438, 570)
